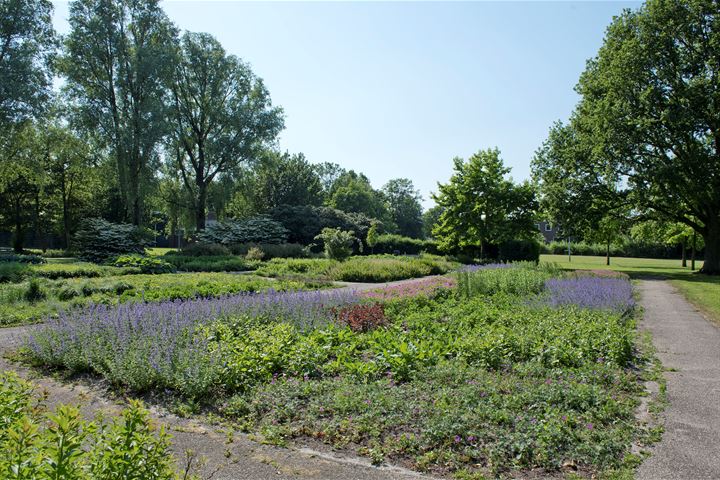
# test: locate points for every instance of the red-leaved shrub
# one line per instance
(361, 317)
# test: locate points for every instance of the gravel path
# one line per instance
(689, 347)
(219, 452)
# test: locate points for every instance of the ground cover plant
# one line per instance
(436, 377)
(53, 296)
(39, 443)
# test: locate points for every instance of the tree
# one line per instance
(575, 190)
(669, 233)
(222, 116)
(650, 105)
(352, 192)
(481, 207)
(284, 179)
(329, 173)
(430, 219)
(117, 58)
(27, 43)
(404, 207)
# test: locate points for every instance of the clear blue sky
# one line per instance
(399, 89)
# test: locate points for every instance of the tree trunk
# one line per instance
(692, 255)
(607, 253)
(684, 260)
(200, 207)
(711, 235)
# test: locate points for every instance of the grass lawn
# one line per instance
(702, 290)
(157, 251)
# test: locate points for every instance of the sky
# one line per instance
(398, 89)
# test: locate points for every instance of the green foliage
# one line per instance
(98, 240)
(404, 207)
(22, 258)
(338, 243)
(372, 236)
(519, 250)
(60, 444)
(13, 271)
(254, 253)
(306, 222)
(260, 229)
(523, 279)
(352, 192)
(480, 206)
(202, 250)
(151, 265)
(34, 292)
(397, 244)
(25, 59)
(377, 269)
(625, 248)
(215, 263)
(271, 250)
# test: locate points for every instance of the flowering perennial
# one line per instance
(604, 293)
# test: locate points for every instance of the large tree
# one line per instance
(27, 42)
(118, 56)
(482, 206)
(650, 107)
(352, 192)
(404, 205)
(284, 179)
(222, 116)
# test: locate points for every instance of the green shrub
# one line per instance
(152, 265)
(305, 222)
(523, 279)
(210, 264)
(270, 250)
(203, 250)
(67, 292)
(13, 272)
(338, 243)
(40, 444)
(34, 292)
(22, 258)
(260, 229)
(398, 245)
(519, 250)
(98, 240)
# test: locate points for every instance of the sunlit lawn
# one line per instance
(702, 290)
(156, 251)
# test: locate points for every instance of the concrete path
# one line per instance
(689, 347)
(219, 452)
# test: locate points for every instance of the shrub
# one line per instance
(13, 271)
(305, 222)
(21, 258)
(519, 250)
(150, 265)
(279, 250)
(360, 317)
(34, 292)
(41, 444)
(255, 253)
(98, 240)
(202, 250)
(260, 229)
(397, 244)
(522, 279)
(228, 263)
(338, 243)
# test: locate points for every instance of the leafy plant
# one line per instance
(34, 292)
(255, 253)
(338, 243)
(152, 265)
(98, 240)
(260, 229)
(203, 250)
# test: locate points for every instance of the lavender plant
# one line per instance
(161, 344)
(594, 292)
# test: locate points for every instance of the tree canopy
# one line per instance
(481, 206)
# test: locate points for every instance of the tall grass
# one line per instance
(521, 279)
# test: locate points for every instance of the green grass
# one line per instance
(702, 290)
(157, 251)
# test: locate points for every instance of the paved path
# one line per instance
(241, 459)
(689, 346)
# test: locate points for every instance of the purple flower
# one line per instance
(600, 293)
(458, 438)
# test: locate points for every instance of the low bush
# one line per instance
(260, 229)
(21, 258)
(34, 292)
(523, 279)
(228, 263)
(397, 244)
(338, 244)
(628, 248)
(202, 250)
(98, 240)
(55, 271)
(519, 250)
(151, 265)
(12, 272)
(271, 250)
(41, 444)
